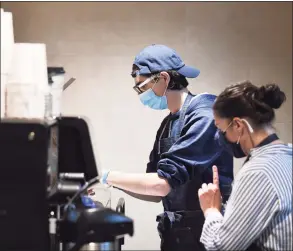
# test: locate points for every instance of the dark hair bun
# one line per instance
(271, 95)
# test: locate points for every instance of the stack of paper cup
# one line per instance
(27, 85)
(3, 95)
(7, 42)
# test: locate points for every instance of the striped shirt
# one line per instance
(259, 209)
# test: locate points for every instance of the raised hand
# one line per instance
(209, 194)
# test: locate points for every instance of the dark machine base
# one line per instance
(43, 164)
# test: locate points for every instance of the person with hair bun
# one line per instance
(258, 214)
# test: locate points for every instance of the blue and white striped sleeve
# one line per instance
(249, 211)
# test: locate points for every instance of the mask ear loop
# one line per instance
(248, 125)
(156, 81)
(250, 129)
(158, 76)
(238, 140)
(166, 90)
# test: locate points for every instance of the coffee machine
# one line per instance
(46, 167)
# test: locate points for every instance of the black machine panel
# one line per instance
(76, 153)
(23, 186)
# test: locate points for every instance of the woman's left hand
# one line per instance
(209, 195)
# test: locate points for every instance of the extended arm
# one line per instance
(148, 198)
(145, 183)
(196, 148)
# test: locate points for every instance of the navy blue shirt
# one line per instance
(197, 149)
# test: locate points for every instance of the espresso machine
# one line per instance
(47, 161)
(46, 167)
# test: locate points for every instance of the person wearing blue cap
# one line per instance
(185, 149)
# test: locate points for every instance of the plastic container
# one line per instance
(27, 84)
(22, 101)
(54, 98)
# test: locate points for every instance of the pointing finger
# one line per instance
(215, 176)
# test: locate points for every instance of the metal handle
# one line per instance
(120, 208)
(72, 176)
(68, 83)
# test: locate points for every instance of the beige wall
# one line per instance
(97, 42)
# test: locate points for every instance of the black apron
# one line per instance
(181, 223)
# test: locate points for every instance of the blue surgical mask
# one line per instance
(150, 99)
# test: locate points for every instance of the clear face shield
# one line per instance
(139, 86)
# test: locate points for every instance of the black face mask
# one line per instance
(233, 148)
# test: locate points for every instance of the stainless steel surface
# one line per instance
(71, 176)
(106, 246)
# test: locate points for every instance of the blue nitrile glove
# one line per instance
(104, 177)
(88, 202)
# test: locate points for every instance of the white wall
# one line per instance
(97, 42)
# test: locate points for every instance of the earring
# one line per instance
(238, 140)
